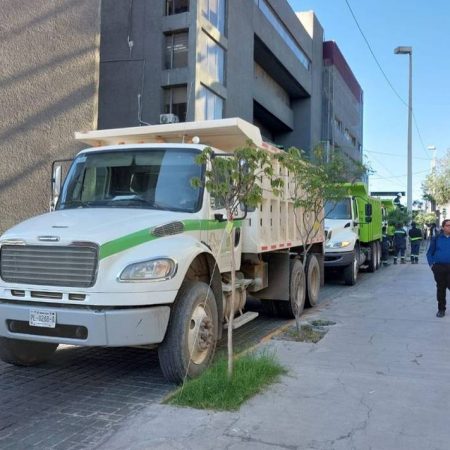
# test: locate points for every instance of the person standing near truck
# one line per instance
(415, 238)
(438, 256)
(399, 243)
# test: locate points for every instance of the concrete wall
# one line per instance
(47, 91)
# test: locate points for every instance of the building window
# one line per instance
(338, 123)
(213, 59)
(210, 105)
(214, 12)
(176, 7)
(175, 101)
(176, 50)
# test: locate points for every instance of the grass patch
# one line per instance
(322, 323)
(212, 390)
(307, 333)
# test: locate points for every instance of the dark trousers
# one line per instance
(441, 274)
(415, 247)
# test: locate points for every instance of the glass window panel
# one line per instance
(175, 102)
(176, 50)
(176, 7)
(214, 12)
(211, 104)
(213, 59)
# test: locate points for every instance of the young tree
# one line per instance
(312, 180)
(436, 186)
(233, 180)
(398, 215)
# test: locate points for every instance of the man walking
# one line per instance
(438, 256)
(415, 238)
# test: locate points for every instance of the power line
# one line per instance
(394, 155)
(386, 77)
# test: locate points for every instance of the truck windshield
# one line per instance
(341, 209)
(154, 178)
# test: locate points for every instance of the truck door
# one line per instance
(356, 216)
(218, 236)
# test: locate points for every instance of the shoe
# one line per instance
(395, 261)
(440, 313)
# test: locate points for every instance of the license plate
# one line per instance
(41, 318)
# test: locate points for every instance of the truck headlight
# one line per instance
(154, 269)
(337, 244)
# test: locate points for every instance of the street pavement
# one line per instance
(379, 379)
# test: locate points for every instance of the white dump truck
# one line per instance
(133, 255)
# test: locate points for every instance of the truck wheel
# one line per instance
(297, 292)
(25, 353)
(312, 280)
(191, 336)
(373, 257)
(351, 271)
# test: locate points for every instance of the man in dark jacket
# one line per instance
(415, 238)
(438, 256)
(399, 243)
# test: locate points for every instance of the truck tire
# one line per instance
(297, 292)
(25, 353)
(351, 271)
(312, 280)
(191, 335)
(373, 257)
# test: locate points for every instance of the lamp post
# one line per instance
(408, 51)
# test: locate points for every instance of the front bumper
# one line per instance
(338, 259)
(112, 327)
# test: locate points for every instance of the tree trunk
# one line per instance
(230, 319)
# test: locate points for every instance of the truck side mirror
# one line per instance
(56, 185)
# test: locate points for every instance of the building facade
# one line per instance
(191, 60)
(342, 96)
(48, 90)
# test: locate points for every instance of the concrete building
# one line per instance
(210, 59)
(48, 87)
(342, 119)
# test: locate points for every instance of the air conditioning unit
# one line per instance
(168, 118)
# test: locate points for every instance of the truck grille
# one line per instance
(72, 266)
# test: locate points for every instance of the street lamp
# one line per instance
(432, 148)
(408, 51)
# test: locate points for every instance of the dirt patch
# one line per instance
(312, 332)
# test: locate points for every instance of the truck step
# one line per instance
(242, 319)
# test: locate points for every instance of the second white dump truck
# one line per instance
(133, 255)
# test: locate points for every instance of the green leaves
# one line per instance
(237, 178)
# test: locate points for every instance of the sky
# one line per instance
(386, 24)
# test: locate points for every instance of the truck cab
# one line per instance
(353, 232)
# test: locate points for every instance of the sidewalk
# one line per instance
(378, 380)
